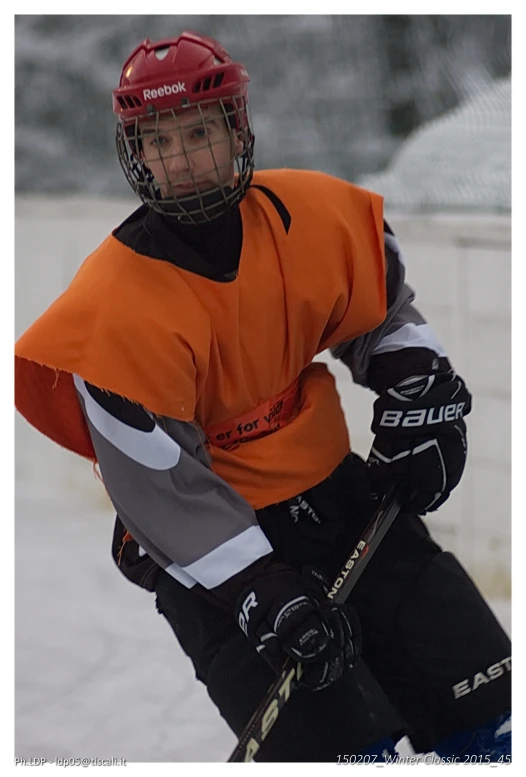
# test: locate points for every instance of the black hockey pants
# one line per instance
(435, 659)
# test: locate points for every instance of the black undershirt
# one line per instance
(211, 249)
(218, 242)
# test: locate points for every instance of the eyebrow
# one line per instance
(159, 130)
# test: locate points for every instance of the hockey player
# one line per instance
(180, 359)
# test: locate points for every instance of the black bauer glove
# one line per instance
(420, 438)
(287, 614)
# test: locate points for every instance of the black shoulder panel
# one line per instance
(278, 204)
(134, 234)
(146, 233)
(123, 409)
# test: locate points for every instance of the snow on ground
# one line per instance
(89, 645)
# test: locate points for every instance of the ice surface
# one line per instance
(98, 672)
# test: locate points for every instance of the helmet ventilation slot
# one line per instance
(208, 83)
(129, 101)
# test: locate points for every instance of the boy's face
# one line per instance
(188, 151)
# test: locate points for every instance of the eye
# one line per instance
(200, 133)
(157, 140)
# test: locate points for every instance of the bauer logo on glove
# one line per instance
(421, 438)
(435, 415)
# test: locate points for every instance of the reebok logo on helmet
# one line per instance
(164, 91)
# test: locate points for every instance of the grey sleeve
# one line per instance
(403, 328)
(186, 518)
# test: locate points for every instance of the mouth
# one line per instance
(190, 188)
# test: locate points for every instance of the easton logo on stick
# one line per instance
(271, 713)
(340, 580)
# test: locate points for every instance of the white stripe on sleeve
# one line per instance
(229, 558)
(180, 575)
(154, 449)
(410, 336)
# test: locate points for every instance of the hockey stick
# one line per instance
(278, 694)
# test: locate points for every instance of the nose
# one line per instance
(175, 158)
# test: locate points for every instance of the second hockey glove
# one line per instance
(287, 614)
(421, 438)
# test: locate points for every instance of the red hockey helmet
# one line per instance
(166, 78)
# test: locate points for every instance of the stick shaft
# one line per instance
(279, 693)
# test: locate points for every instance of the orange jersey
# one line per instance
(223, 354)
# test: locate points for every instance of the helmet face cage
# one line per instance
(194, 206)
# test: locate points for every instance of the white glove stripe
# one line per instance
(267, 636)
(437, 496)
(407, 384)
(386, 459)
(434, 444)
(286, 607)
(398, 396)
(425, 445)
(430, 444)
(415, 451)
(459, 386)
